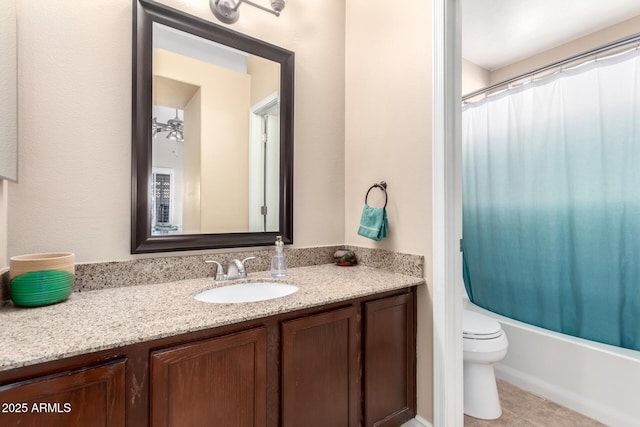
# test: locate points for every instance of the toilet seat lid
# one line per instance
(478, 326)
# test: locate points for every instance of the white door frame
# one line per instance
(447, 215)
(255, 157)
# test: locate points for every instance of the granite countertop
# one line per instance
(104, 319)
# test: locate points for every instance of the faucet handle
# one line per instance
(247, 259)
(219, 270)
(242, 269)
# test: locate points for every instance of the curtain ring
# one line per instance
(382, 186)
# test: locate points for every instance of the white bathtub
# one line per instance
(598, 380)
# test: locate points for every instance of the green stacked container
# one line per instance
(41, 279)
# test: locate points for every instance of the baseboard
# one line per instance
(563, 397)
(418, 421)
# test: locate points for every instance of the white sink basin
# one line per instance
(246, 292)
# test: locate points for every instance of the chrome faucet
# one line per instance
(235, 270)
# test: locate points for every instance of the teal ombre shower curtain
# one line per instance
(551, 201)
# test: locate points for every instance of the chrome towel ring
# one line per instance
(383, 187)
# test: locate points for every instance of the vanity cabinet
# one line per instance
(349, 363)
(389, 361)
(320, 370)
(93, 396)
(353, 366)
(215, 382)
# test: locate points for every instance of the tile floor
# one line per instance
(523, 409)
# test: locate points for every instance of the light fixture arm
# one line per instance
(228, 12)
(266, 9)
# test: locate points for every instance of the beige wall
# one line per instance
(474, 77)
(75, 123)
(225, 102)
(192, 163)
(388, 138)
(225, 156)
(265, 78)
(583, 44)
(74, 130)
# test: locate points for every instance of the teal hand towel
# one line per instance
(373, 223)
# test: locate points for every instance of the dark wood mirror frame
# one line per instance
(145, 13)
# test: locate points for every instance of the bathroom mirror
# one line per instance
(8, 93)
(212, 159)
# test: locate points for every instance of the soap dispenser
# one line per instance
(279, 260)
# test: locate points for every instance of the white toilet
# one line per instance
(484, 343)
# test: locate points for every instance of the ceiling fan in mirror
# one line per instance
(174, 126)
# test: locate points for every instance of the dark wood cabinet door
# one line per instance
(91, 397)
(215, 382)
(320, 370)
(389, 361)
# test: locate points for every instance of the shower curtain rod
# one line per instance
(613, 45)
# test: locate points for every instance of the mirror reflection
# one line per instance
(216, 137)
(212, 119)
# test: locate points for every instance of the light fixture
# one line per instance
(175, 127)
(227, 10)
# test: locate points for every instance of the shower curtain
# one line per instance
(551, 201)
